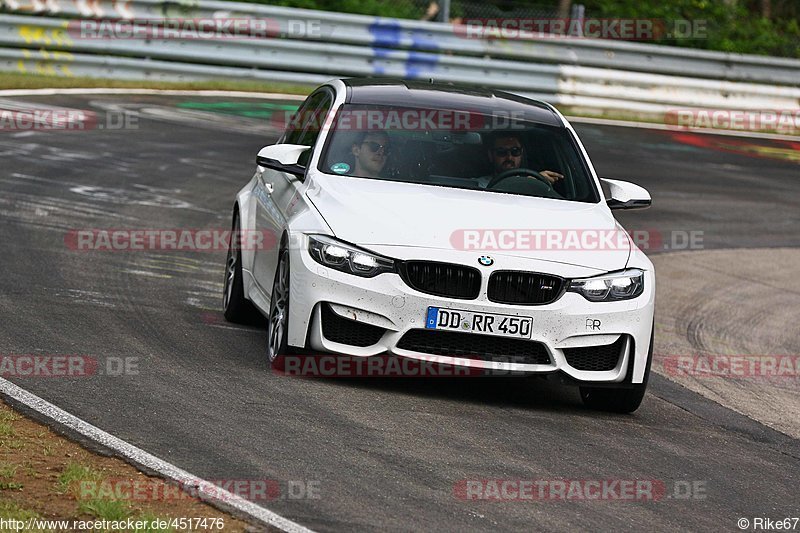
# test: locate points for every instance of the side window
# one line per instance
(313, 126)
(294, 131)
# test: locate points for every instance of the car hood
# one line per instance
(386, 213)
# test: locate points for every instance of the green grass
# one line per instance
(10, 510)
(7, 474)
(8, 471)
(103, 509)
(12, 444)
(15, 80)
(99, 508)
(68, 482)
(8, 416)
(6, 429)
(74, 473)
(48, 448)
(30, 468)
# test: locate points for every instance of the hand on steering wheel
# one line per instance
(518, 172)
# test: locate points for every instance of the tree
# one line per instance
(564, 8)
(766, 9)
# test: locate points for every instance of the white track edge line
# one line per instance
(205, 489)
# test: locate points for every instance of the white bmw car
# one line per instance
(456, 225)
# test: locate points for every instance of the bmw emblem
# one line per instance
(486, 260)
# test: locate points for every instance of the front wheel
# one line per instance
(625, 400)
(278, 323)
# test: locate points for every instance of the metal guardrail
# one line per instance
(68, 64)
(581, 72)
(375, 32)
(311, 56)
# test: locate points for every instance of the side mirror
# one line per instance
(282, 157)
(626, 195)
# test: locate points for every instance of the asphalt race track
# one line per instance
(385, 454)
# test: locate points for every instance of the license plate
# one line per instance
(518, 327)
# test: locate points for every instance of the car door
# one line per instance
(275, 190)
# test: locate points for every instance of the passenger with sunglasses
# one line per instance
(506, 153)
(370, 151)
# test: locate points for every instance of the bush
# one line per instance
(738, 27)
(733, 25)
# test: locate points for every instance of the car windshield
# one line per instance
(458, 149)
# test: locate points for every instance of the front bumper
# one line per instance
(387, 302)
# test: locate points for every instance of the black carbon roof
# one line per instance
(372, 91)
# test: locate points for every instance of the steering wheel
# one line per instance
(518, 172)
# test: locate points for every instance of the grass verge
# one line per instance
(14, 80)
(45, 476)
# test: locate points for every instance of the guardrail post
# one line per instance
(444, 13)
(578, 12)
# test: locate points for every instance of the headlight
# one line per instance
(347, 258)
(610, 287)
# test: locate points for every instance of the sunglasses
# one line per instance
(504, 152)
(375, 147)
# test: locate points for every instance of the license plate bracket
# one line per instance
(499, 325)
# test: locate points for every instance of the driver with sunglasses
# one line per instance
(506, 153)
(370, 151)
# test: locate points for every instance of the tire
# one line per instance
(620, 400)
(236, 308)
(278, 319)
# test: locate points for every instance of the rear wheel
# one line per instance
(236, 307)
(620, 400)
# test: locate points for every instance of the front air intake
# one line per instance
(442, 279)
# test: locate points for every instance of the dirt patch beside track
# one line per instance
(45, 476)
